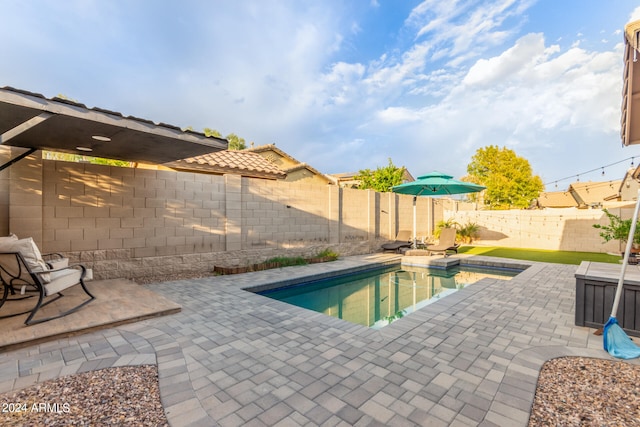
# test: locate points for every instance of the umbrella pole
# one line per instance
(415, 240)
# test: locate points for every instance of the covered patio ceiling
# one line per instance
(34, 122)
(630, 121)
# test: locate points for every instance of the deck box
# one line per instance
(596, 285)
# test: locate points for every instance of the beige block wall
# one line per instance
(554, 229)
(5, 156)
(148, 212)
(128, 222)
(125, 222)
(358, 213)
(26, 209)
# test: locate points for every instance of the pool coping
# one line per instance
(430, 262)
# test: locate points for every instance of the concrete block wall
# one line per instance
(358, 215)
(5, 156)
(125, 222)
(26, 210)
(553, 229)
(284, 214)
(90, 207)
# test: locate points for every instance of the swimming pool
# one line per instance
(376, 298)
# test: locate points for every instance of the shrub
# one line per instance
(327, 253)
(450, 223)
(468, 232)
(618, 229)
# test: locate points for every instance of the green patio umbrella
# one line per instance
(434, 184)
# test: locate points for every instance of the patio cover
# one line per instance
(34, 122)
(630, 121)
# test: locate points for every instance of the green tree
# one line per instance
(509, 178)
(68, 157)
(212, 132)
(381, 179)
(235, 142)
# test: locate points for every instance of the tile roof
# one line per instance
(595, 192)
(231, 161)
(557, 199)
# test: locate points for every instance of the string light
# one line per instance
(601, 168)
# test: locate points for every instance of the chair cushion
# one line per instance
(30, 252)
(8, 239)
(61, 280)
(58, 263)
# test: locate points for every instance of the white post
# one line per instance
(625, 259)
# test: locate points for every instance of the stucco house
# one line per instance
(349, 180)
(295, 170)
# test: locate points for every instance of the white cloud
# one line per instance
(511, 62)
(453, 79)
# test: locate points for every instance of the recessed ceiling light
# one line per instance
(84, 149)
(101, 138)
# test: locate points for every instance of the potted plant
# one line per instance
(618, 229)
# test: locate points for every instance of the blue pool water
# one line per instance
(379, 297)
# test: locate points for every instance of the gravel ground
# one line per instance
(576, 391)
(571, 391)
(122, 396)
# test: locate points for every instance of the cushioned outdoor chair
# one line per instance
(446, 242)
(23, 271)
(403, 240)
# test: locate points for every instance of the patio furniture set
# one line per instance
(404, 244)
(26, 274)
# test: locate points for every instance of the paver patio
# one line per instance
(234, 358)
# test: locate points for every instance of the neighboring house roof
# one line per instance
(304, 166)
(349, 178)
(557, 199)
(592, 193)
(582, 194)
(285, 162)
(232, 162)
(345, 179)
(630, 120)
(32, 121)
(271, 147)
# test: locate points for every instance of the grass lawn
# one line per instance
(559, 257)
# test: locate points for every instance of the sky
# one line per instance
(347, 85)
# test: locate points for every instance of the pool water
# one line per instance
(379, 297)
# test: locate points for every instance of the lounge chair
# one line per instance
(446, 242)
(403, 240)
(23, 270)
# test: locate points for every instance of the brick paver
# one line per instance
(232, 357)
